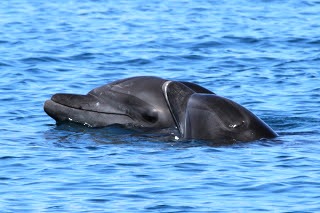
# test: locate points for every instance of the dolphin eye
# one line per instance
(150, 116)
(236, 125)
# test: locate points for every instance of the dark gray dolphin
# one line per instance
(152, 102)
(133, 102)
(212, 117)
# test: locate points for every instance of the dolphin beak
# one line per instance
(64, 107)
(85, 102)
(83, 109)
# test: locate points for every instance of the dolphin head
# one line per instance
(212, 117)
(133, 102)
(224, 120)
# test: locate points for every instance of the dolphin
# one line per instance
(154, 103)
(212, 117)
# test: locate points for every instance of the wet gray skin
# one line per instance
(212, 117)
(135, 102)
(155, 103)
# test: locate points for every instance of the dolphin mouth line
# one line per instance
(87, 110)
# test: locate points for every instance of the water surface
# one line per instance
(261, 54)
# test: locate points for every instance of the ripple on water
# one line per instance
(264, 56)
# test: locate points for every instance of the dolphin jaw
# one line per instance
(61, 112)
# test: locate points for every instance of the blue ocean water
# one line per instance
(262, 54)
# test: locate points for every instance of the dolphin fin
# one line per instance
(177, 95)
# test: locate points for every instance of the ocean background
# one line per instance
(263, 54)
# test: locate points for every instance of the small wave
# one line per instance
(297, 40)
(246, 40)
(207, 44)
(4, 42)
(179, 57)
(8, 157)
(32, 60)
(137, 62)
(317, 41)
(2, 64)
(193, 57)
(84, 56)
